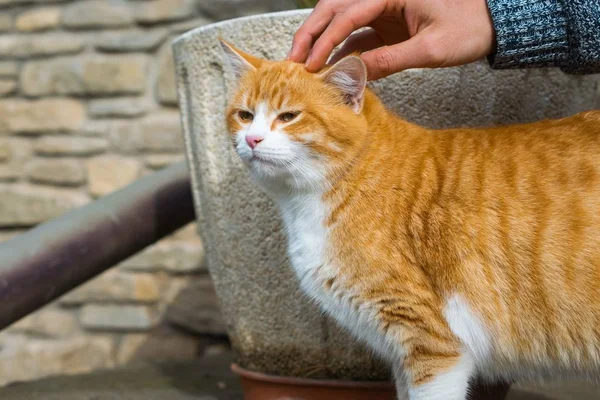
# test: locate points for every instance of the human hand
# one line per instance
(402, 34)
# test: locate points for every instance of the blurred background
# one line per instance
(88, 105)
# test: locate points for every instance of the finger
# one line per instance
(421, 51)
(358, 42)
(341, 26)
(310, 29)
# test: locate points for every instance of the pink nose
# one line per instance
(253, 140)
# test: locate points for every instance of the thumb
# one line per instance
(420, 51)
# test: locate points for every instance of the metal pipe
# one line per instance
(56, 256)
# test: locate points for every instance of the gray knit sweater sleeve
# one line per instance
(545, 33)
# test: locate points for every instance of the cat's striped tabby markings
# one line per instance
(456, 253)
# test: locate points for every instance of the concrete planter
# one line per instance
(273, 327)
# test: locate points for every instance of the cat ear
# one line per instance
(349, 75)
(240, 61)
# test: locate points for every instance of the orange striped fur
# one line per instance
(459, 249)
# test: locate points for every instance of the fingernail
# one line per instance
(307, 63)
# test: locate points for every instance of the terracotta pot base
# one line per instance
(259, 386)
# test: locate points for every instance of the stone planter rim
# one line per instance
(232, 21)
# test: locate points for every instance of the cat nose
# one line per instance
(253, 140)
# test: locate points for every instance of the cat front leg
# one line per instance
(401, 384)
(433, 376)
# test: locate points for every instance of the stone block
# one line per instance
(58, 146)
(174, 257)
(162, 347)
(21, 148)
(131, 40)
(154, 11)
(164, 88)
(6, 22)
(125, 136)
(21, 2)
(226, 9)
(157, 132)
(40, 44)
(14, 152)
(5, 150)
(116, 286)
(7, 87)
(8, 69)
(47, 322)
(15, 149)
(215, 350)
(27, 358)
(90, 74)
(10, 172)
(61, 172)
(109, 173)
(187, 233)
(160, 161)
(188, 25)
(24, 205)
(38, 19)
(194, 307)
(96, 128)
(119, 107)
(115, 74)
(117, 317)
(97, 14)
(161, 131)
(40, 116)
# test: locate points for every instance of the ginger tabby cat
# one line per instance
(454, 254)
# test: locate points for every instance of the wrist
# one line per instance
(528, 33)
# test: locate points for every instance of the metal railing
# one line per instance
(56, 256)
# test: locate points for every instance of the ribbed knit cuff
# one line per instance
(529, 33)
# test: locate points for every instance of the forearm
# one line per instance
(541, 33)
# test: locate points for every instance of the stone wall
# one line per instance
(88, 105)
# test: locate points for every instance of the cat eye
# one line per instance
(245, 115)
(288, 116)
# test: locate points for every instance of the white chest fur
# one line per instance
(310, 254)
(304, 217)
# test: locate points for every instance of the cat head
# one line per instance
(295, 129)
